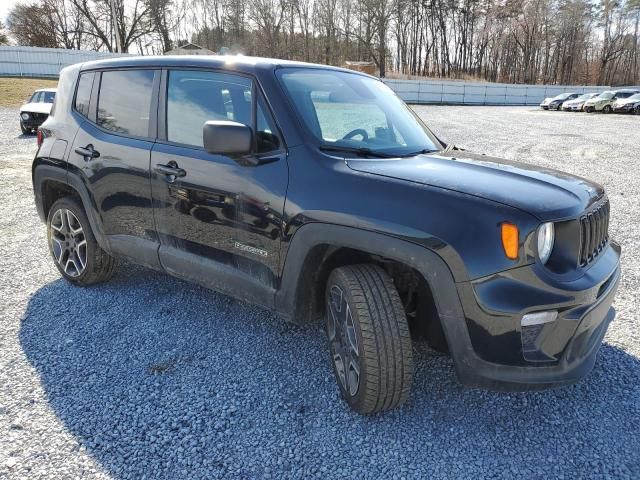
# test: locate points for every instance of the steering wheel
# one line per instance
(358, 131)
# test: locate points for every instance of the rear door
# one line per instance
(111, 153)
(218, 218)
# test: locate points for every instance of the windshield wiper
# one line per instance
(420, 152)
(362, 151)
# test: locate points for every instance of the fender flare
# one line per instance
(43, 173)
(427, 262)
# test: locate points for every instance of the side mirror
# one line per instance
(226, 137)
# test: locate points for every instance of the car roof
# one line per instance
(45, 90)
(625, 90)
(239, 63)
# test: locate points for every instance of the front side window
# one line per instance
(124, 102)
(348, 110)
(83, 94)
(195, 97)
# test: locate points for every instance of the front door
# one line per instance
(218, 218)
(111, 153)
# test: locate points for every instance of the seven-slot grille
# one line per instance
(594, 232)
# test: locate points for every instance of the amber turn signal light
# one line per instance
(510, 240)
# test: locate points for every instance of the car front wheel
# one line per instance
(73, 246)
(369, 338)
(607, 109)
(24, 129)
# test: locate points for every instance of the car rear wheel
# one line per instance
(637, 110)
(369, 338)
(73, 246)
(24, 129)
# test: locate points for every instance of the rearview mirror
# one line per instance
(226, 137)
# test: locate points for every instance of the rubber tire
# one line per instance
(384, 341)
(607, 109)
(100, 265)
(25, 130)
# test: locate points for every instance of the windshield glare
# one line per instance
(605, 95)
(342, 109)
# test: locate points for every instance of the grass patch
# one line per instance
(15, 91)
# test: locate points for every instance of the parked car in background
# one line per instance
(545, 103)
(557, 102)
(604, 101)
(37, 109)
(215, 170)
(628, 105)
(577, 104)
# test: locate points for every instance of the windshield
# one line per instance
(562, 96)
(351, 111)
(49, 96)
(605, 96)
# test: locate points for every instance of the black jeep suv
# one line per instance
(315, 192)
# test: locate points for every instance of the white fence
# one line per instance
(476, 93)
(43, 62)
(47, 62)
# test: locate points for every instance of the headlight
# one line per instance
(546, 234)
(25, 116)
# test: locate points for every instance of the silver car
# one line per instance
(604, 101)
(577, 104)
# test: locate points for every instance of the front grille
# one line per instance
(594, 232)
(38, 118)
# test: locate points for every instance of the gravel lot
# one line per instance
(150, 377)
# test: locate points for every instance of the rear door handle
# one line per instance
(87, 152)
(172, 170)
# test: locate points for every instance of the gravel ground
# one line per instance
(150, 377)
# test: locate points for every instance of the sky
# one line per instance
(5, 6)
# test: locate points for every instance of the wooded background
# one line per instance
(529, 41)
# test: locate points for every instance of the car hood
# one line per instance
(40, 107)
(596, 100)
(548, 194)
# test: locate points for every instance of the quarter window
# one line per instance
(124, 102)
(83, 94)
(267, 139)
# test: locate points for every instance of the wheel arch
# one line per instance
(318, 248)
(51, 183)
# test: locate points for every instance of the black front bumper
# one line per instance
(34, 120)
(491, 349)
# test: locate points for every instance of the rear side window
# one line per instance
(83, 94)
(124, 101)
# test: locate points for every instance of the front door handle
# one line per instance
(87, 152)
(172, 170)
